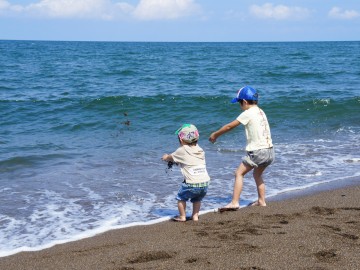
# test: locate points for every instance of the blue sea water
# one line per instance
(84, 125)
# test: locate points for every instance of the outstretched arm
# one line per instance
(223, 130)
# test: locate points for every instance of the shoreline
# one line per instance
(317, 188)
(285, 195)
(329, 220)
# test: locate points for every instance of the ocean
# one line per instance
(84, 125)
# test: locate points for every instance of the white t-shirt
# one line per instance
(192, 163)
(257, 129)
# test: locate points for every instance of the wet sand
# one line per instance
(317, 231)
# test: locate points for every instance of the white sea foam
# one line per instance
(60, 222)
(351, 160)
(324, 101)
(106, 226)
(316, 173)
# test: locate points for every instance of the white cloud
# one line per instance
(125, 7)
(279, 12)
(4, 4)
(339, 13)
(164, 9)
(71, 8)
(103, 9)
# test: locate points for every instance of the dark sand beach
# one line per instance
(317, 231)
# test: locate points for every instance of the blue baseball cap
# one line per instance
(247, 93)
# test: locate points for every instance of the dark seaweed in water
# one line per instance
(170, 164)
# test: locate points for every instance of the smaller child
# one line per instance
(191, 158)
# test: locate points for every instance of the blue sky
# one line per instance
(180, 20)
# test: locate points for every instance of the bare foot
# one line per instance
(179, 219)
(256, 203)
(229, 207)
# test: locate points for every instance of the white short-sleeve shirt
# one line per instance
(257, 129)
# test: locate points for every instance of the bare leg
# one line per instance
(260, 185)
(239, 179)
(196, 210)
(182, 210)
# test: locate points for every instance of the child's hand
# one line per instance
(212, 138)
(165, 157)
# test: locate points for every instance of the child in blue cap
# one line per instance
(191, 159)
(259, 146)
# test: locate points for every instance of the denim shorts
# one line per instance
(188, 192)
(259, 158)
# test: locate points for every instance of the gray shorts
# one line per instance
(259, 158)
